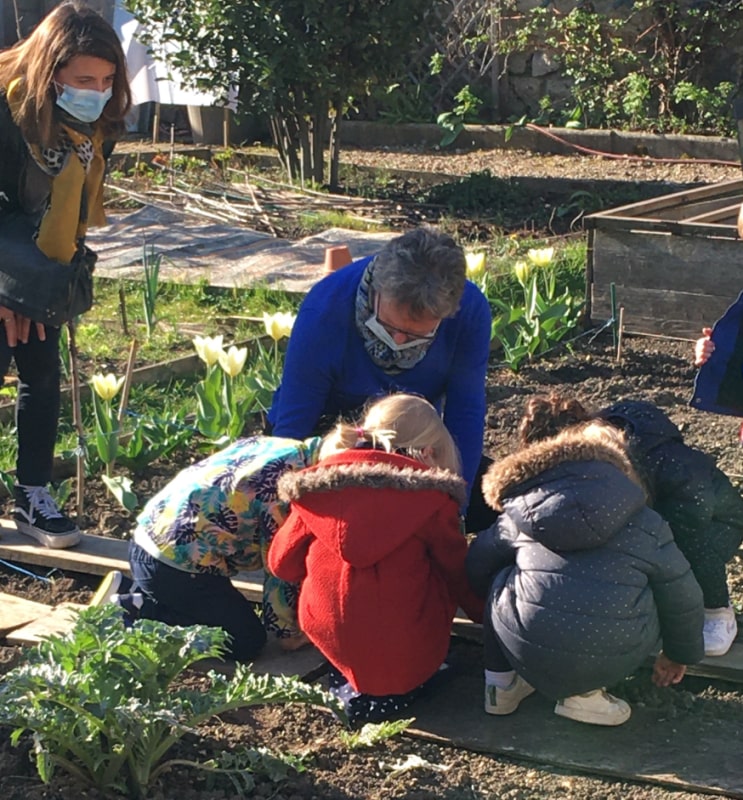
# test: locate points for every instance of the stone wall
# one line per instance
(526, 77)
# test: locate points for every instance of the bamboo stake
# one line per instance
(77, 417)
(125, 389)
(620, 333)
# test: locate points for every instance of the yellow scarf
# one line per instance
(61, 226)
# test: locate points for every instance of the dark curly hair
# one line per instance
(545, 415)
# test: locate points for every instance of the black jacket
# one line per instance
(24, 187)
(585, 580)
(704, 510)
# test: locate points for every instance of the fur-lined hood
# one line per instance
(364, 504)
(372, 469)
(571, 492)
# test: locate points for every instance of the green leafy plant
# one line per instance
(633, 67)
(107, 436)
(152, 439)
(265, 373)
(221, 409)
(453, 122)
(151, 264)
(103, 704)
(544, 316)
(374, 733)
(105, 389)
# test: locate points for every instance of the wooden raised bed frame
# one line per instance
(676, 261)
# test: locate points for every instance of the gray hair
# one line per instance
(423, 270)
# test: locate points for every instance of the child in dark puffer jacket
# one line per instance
(584, 580)
(685, 486)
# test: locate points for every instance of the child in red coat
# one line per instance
(374, 537)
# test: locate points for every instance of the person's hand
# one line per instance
(667, 672)
(703, 348)
(18, 327)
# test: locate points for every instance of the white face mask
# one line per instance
(384, 336)
(84, 104)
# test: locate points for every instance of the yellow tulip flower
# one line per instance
(106, 386)
(541, 256)
(475, 265)
(521, 270)
(233, 361)
(278, 325)
(208, 348)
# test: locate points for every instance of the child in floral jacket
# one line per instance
(213, 519)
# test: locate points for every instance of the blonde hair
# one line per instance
(69, 30)
(399, 422)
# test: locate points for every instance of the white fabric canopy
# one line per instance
(151, 80)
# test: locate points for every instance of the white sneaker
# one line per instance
(109, 587)
(720, 630)
(596, 708)
(506, 701)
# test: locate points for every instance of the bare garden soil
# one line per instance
(654, 369)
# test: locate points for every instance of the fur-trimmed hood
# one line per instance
(365, 503)
(571, 492)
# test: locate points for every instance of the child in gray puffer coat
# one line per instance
(684, 485)
(585, 581)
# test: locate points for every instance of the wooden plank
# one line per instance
(684, 197)
(677, 228)
(656, 261)
(666, 313)
(94, 555)
(17, 611)
(688, 212)
(58, 621)
(722, 213)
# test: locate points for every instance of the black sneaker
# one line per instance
(37, 515)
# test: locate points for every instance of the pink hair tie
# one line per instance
(361, 433)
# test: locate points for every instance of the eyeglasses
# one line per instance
(394, 330)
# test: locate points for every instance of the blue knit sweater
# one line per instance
(328, 372)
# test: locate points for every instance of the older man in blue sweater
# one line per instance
(405, 320)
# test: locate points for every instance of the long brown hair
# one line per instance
(71, 29)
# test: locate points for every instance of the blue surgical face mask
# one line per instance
(84, 104)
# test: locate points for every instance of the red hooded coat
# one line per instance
(375, 540)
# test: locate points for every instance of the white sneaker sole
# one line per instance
(719, 651)
(54, 541)
(110, 585)
(591, 717)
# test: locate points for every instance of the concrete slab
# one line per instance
(697, 748)
(229, 256)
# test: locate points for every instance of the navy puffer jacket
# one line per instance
(704, 510)
(585, 580)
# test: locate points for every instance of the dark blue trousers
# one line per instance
(183, 598)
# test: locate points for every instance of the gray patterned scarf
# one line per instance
(391, 361)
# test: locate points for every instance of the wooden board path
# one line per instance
(96, 555)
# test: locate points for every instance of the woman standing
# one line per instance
(63, 94)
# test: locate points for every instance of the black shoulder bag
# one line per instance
(38, 287)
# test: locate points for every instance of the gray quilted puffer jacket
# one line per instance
(585, 580)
